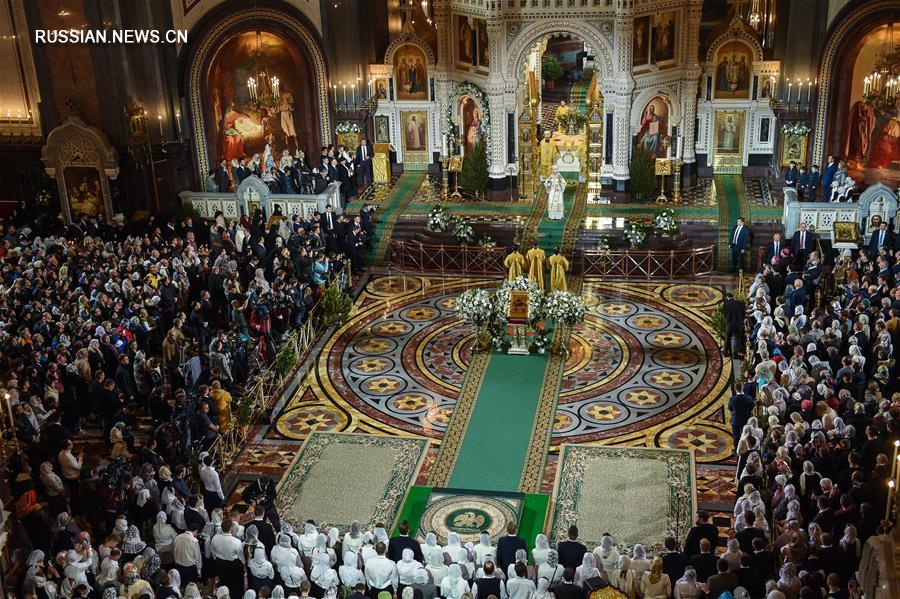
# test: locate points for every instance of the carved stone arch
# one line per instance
(541, 30)
(846, 26)
(637, 107)
(214, 28)
(737, 30)
(76, 145)
(403, 40)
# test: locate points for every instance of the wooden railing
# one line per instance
(649, 264)
(471, 259)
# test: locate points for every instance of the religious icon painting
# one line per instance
(465, 40)
(481, 37)
(663, 45)
(765, 128)
(381, 89)
(729, 133)
(793, 149)
(382, 129)
(641, 42)
(414, 136)
(654, 126)
(470, 117)
(411, 73)
(84, 192)
(734, 66)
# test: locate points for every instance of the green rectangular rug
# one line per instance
(636, 494)
(337, 478)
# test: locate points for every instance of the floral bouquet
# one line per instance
(604, 243)
(665, 222)
(636, 233)
(462, 230)
(564, 307)
(487, 242)
(438, 219)
(795, 128)
(475, 306)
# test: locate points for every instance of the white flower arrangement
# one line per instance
(347, 127)
(604, 243)
(665, 221)
(438, 219)
(795, 128)
(565, 308)
(487, 242)
(636, 233)
(462, 230)
(535, 298)
(475, 306)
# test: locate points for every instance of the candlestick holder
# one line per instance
(676, 185)
(445, 160)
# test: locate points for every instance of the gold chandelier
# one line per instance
(881, 85)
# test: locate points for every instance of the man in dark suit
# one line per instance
(812, 184)
(790, 175)
(832, 558)
(567, 589)
(364, 162)
(773, 248)
(803, 243)
(367, 222)
(507, 547)
(704, 562)
(242, 172)
(746, 536)
(674, 562)
(571, 551)
(763, 560)
(703, 529)
(402, 541)
(881, 237)
(223, 181)
(722, 581)
(750, 578)
(733, 310)
(741, 407)
(828, 178)
(328, 222)
(738, 242)
(802, 182)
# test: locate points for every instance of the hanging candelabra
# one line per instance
(881, 85)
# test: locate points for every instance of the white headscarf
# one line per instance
(541, 547)
(407, 567)
(454, 586)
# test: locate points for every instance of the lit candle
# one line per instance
(790, 86)
(894, 460)
(344, 85)
(334, 89)
(887, 509)
(353, 94)
(12, 424)
(159, 119)
(444, 145)
(678, 148)
(178, 123)
(808, 91)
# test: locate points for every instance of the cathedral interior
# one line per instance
(450, 271)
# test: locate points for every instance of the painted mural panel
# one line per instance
(654, 126)
(734, 67)
(411, 73)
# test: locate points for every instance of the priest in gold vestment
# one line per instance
(549, 154)
(562, 111)
(536, 257)
(515, 264)
(558, 267)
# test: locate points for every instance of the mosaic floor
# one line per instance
(643, 369)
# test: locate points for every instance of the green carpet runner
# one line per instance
(729, 190)
(391, 209)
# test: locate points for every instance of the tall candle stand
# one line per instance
(445, 160)
(676, 185)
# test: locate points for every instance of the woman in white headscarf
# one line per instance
(639, 561)
(587, 569)
(788, 581)
(407, 567)
(109, 572)
(551, 569)
(349, 572)
(381, 536)
(453, 548)
(606, 553)
(453, 586)
(322, 575)
(175, 581)
(278, 592)
(307, 541)
(286, 561)
(322, 548)
(431, 546)
(163, 537)
(260, 571)
(132, 545)
(191, 591)
(543, 590)
(482, 549)
(423, 585)
(732, 555)
(622, 577)
(436, 568)
(353, 539)
(851, 546)
(655, 583)
(541, 548)
(687, 586)
(252, 542)
(367, 551)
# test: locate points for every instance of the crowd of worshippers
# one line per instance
(298, 174)
(815, 424)
(140, 335)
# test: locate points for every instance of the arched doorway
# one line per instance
(256, 77)
(846, 126)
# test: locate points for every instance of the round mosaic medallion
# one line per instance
(468, 516)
